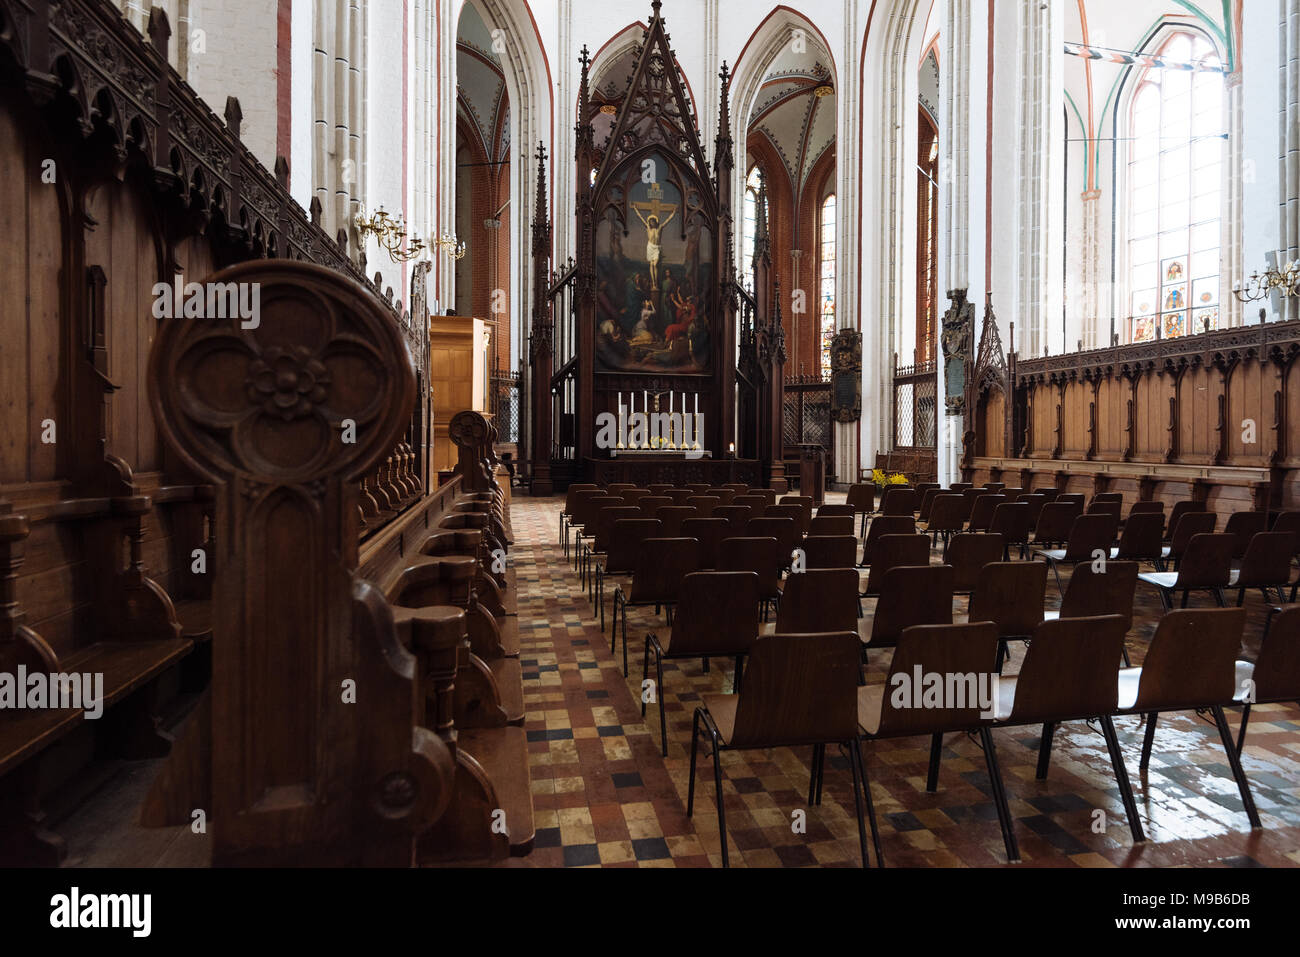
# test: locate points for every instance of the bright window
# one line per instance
(1175, 195)
(750, 230)
(826, 293)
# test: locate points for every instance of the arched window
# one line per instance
(826, 279)
(750, 230)
(1175, 194)
(927, 239)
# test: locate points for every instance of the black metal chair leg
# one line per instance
(1056, 570)
(613, 622)
(1148, 739)
(735, 676)
(932, 778)
(695, 750)
(1218, 597)
(717, 783)
(1166, 599)
(1000, 796)
(1241, 732)
(1121, 778)
(1124, 652)
(871, 808)
(659, 693)
(624, 639)
(1045, 750)
(1238, 771)
(645, 673)
(854, 758)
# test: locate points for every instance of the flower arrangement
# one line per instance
(883, 480)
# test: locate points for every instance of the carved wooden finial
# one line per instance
(315, 209)
(234, 115)
(282, 171)
(159, 30)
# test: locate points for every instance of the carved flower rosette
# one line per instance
(322, 383)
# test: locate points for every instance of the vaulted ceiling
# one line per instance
(795, 111)
(481, 84)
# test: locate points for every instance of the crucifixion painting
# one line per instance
(653, 306)
(649, 213)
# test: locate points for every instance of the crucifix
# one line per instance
(652, 219)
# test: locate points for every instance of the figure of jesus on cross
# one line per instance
(654, 208)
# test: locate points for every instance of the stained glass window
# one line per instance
(826, 297)
(1175, 174)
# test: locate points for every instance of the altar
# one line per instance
(644, 468)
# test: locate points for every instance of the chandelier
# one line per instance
(455, 247)
(1285, 280)
(390, 234)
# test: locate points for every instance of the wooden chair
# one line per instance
(740, 488)
(1048, 492)
(618, 488)
(581, 510)
(798, 690)
(927, 503)
(826, 511)
(778, 527)
(880, 527)
(899, 500)
(910, 596)
(862, 497)
(569, 496)
(1189, 524)
(1266, 564)
(1055, 520)
(703, 504)
(1206, 566)
(948, 516)
(895, 551)
(796, 513)
(1244, 526)
(1180, 509)
(626, 538)
(1074, 498)
(737, 517)
(1071, 673)
(1190, 666)
(832, 525)
(717, 617)
(660, 489)
(762, 556)
(598, 543)
(1141, 540)
(634, 495)
(1147, 508)
(1035, 503)
(968, 553)
(1009, 594)
(1274, 676)
(830, 551)
(680, 495)
(1011, 521)
(723, 495)
(709, 532)
(650, 504)
(672, 516)
(656, 580)
(1101, 593)
(1013, 493)
(757, 504)
(981, 515)
(820, 600)
(946, 649)
(1090, 538)
(698, 488)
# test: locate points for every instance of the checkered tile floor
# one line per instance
(604, 795)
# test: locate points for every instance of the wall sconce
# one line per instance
(390, 234)
(1285, 280)
(455, 248)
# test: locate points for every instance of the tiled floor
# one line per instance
(604, 796)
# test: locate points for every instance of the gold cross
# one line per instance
(655, 206)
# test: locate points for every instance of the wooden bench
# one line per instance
(59, 569)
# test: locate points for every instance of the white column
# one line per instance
(1289, 140)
